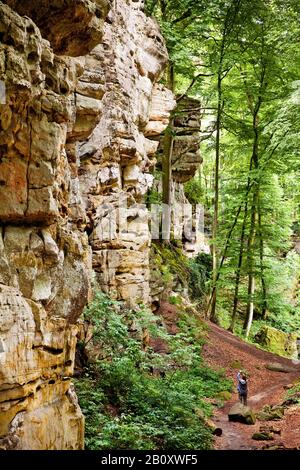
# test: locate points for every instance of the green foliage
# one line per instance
(171, 262)
(193, 190)
(259, 193)
(173, 267)
(200, 274)
(241, 59)
(133, 398)
(175, 300)
(153, 197)
(244, 55)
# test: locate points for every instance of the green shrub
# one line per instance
(133, 398)
(193, 190)
(200, 274)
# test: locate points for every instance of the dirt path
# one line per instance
(226, 351)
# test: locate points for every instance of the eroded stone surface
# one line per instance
(116, 159)
(73, 27)
(186, 152)
(44, 253)
(75, 142)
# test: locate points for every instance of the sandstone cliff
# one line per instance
(82, 105)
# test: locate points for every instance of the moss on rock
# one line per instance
(242, 414)
(278, 342)
(224, 395)
(263, 436)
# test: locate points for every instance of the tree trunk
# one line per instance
(250, 256)
(251, 304)
(262, 269)
(168, 142)
(213, 314)
(254, 210)
(230, 19)
(241, 253)
(238, 270)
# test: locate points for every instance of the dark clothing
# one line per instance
(243, 399)
(242, 388)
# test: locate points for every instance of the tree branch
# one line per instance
(193, 83)
(183, 16)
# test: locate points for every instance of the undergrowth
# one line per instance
(177, 272)
(135, 398)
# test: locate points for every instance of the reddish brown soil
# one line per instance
(224, 350)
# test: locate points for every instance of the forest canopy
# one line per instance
(240, 58)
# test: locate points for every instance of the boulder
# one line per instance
(214, 429)
(278, 342)
(262, 436)
(270, 413)
(242, 414)
(277, 367)
(278, 446)
(293, 399)
(269, 429)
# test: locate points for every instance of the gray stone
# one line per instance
(241, 413)
(278, 367)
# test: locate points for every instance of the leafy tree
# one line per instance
(241, 58)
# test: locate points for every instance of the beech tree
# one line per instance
(241, 59)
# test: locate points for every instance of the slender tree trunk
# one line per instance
(251, 240)
(238, 270)
(213, 314)
(166, 182)
(250, 255)
(200, 179)
(241, 253)
(254, 108)
(254, 211)
(264, 310)
(251, 304)
(168, 142)
(227, 243)
(230, 21)
(262, 269)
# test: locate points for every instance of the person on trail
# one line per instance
(242, 387)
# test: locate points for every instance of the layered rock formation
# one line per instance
(117, 157)
(74, 144)
(186, 157)
(186, 221)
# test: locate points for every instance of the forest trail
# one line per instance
(224, 350)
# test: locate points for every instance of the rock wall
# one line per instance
(186, 221)
(82, 105)
(117, 157)
(186, 157)
(168, 266)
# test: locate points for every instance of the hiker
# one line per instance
(242, 387)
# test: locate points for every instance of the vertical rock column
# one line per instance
(115, 160)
